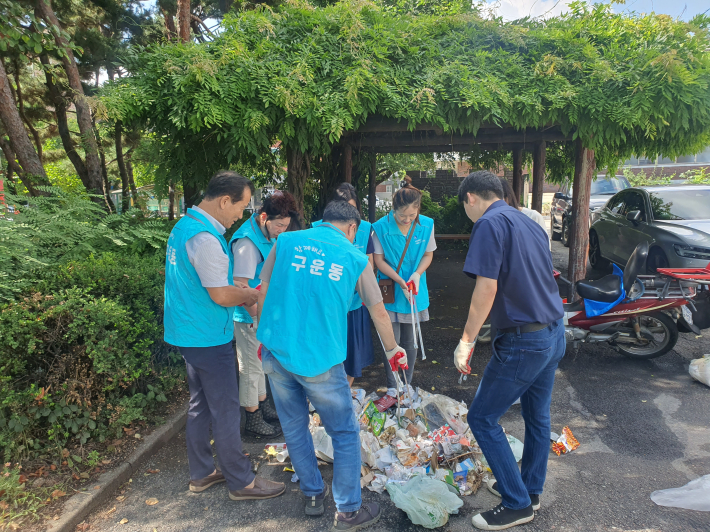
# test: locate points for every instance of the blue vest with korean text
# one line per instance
(362, 238)
(191, 318)
(393, 242)
(304, 319)
(251, 230)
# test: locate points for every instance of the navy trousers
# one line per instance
(214, 397)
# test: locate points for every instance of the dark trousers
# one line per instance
(522, 365)
(214, 396)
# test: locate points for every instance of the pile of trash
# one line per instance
(417, 434)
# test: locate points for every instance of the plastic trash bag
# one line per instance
(700, 369)
(695, 495)
(426, 501)
(515, 445)
(323, 444)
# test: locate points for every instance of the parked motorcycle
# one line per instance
(643, 325)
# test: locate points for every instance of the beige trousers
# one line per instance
(252, 383)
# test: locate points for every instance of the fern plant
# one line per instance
(64, 226)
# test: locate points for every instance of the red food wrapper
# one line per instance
(565, 443)
(385, 402)
(440, 434)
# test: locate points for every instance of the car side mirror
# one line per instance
(634, 217)
(559, 195)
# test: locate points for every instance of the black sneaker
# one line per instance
(314, 504)
(492, 486)
(367, 515)
(500, 518)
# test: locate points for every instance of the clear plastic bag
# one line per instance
(695, 495)
(700, 369)
(426, 501)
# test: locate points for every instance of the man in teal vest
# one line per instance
(308, 281)
(200, 297)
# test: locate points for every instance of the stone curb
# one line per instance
(78, 507)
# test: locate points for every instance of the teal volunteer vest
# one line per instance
(362, 237)
(393, 242)
(250, 229)
(304, 320)
(191, 318)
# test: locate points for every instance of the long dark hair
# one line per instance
(346, 192)
(509, 194)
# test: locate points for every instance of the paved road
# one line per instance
(642, 426)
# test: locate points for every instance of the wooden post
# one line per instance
(372, 193)
(348, 163)
(538, 179)
(518, 171)
(584, 165)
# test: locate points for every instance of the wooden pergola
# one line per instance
(386, 135)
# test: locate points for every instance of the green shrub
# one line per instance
(83, 355)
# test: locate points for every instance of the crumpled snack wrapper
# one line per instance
(565, 443)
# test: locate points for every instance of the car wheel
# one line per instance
(595, 253)
(656, 259)
(564, 234)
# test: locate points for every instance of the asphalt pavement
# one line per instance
(642, 425)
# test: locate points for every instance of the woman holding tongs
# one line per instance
(404, 247)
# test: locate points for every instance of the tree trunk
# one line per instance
(299, 168)
(171, 200)
(32, 169)
(105, 185)
(169, 24)
(126, 193)
(60, 111)
(131, 181)
(12, 167)
(184, 20)
(191, 194)
(372, 193)
(518, 171)
(538, 175)
(83, 111)
(348, 163)
(21, 108)
(584, 165)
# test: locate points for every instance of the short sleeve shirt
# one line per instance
(508, 246)
(246, 258)
(206, 255)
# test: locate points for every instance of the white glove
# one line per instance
(406, 292)
(415, 277)
(462, 355)
(397, 358)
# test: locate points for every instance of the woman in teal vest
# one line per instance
(251, 244)
(390, 237)
(360, 351)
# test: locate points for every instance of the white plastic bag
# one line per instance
(323, 444)
(695, 495)
(700, 369)
(426, 501)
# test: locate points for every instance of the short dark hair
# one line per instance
(228, 183)
(483, 183)
(509, 193)
(341, 212)
(280, 204)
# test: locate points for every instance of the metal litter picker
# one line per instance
(416, 324)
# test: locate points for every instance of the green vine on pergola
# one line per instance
(623, 84)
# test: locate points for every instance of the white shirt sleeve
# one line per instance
(431, 245)
(206, 255)
(376, 243)
(246, 258)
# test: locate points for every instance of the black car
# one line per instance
(602, 189)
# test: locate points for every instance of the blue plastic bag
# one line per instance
(597, 308)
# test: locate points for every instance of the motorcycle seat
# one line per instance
(605, 290)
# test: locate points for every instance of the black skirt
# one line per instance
(360, 351)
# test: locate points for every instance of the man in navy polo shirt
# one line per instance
(510, 258)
